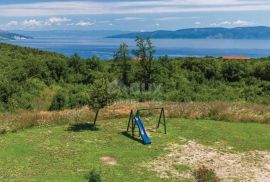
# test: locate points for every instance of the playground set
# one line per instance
(135, 120)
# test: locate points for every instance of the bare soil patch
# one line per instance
(109, 160)
(229, 166)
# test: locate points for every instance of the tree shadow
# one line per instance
(82, 127)
(127, 134)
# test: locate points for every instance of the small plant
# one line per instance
(204, 174)
(181, 167)
(3, 131)
(94, 176)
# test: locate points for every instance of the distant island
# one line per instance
(70, 33)
(258, 33)
(5, 35)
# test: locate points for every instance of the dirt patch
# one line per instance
(109, 160)
(229, 166)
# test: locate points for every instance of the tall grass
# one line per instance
(238, 112)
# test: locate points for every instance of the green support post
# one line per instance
(132, 124)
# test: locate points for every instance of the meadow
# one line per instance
(69, 152)
(64, 145)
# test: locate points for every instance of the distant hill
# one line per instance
(5, 35)
(204, 33)
(72, 33)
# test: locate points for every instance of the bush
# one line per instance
(205, 175)
(94, 176)
(7, 89)
(78, 96)
(58, 102)
(3, 131)
(262, 71)
(205, 68)
(233, 71)
(78, 100)
(2, 107)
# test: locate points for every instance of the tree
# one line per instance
(75, 62)
(102, 94)
(262, 71)
(58, 69)
(94, 63)
(7, 89)
(121, 59)
(145, 54)
(209, 68)
(233, 71)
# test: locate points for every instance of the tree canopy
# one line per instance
(31, 79)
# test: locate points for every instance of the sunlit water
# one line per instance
(105, 48)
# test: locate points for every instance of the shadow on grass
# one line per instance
(82, 127)
(127, 134)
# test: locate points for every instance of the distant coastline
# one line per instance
(255, 33)
(5, 35)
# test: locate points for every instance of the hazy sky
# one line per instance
(139, 15)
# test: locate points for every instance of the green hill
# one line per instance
(261, 33)
(29, 78)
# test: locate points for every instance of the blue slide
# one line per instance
(145, 138)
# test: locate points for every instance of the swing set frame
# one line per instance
(161, 120)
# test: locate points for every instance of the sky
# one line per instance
(136, 15)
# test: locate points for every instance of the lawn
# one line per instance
(68, 153)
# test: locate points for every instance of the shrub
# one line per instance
(34, 86)
(262, 71)
(20, 100)
(78, 95)
(7, 89)
(205, 175)
(233, 71)
(207, 68)
(94, 176)
(58, 102)
(2, 107)
(78, 100)
(3, 131)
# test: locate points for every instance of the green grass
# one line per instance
(181, 167)
(57, 154)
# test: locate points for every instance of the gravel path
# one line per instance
(229, 166)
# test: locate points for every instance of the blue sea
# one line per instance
(105, 47)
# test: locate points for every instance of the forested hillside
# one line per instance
(261, 33)
(30, 78)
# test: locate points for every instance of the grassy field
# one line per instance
(68, 153)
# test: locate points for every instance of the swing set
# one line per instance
(135, 120)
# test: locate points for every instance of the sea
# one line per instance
(105, 47)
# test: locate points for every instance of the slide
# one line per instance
(145, 138)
